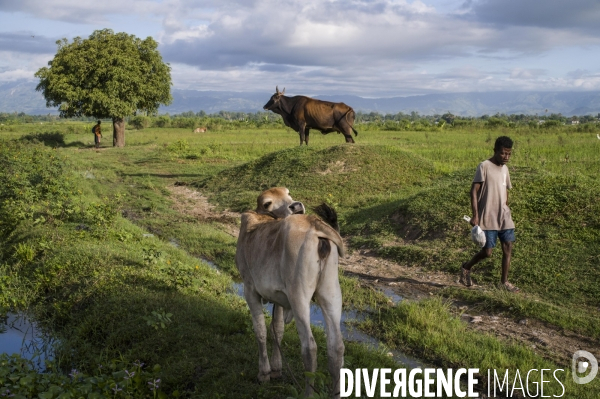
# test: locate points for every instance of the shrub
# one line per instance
(162, 121)
(587, 128)
(393, 125)
(496, 122)
(185, 123)
(551, 124)
(462, 122)
(33, 186)
(140, 122)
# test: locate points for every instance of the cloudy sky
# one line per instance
(371, 48)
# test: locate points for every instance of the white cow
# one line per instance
(287, 258)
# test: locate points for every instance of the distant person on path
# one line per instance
(97, 134)
(489, 197)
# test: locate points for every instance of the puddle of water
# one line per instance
(392, 295)
(238, 288)
(20, 335)
(213, 266)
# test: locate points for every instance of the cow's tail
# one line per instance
(328, 214)
(327, 232)
(350, 121)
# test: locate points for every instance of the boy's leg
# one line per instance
(490, 242)
(506, 254)
(507, 237)
(485, 252)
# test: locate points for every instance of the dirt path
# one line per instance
(192, 203)
(412, 283)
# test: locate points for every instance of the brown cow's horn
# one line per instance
(283, 92)
(277, 89)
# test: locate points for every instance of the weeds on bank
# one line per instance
(19, 380)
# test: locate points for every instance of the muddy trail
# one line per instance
(413, 283)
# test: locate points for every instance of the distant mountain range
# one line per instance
(20, 96)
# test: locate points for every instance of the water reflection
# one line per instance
(21, 335)
(395, 298)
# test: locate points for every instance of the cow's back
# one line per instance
(272, 253)
(324, 115)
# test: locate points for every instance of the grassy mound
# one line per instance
(555, 256)
(348, 176)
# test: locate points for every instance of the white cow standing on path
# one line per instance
(287, 257)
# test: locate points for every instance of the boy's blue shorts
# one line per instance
(492, 235)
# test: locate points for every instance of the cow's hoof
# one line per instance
(276, 374)
(264, 377)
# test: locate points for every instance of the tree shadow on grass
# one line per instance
(50, 139)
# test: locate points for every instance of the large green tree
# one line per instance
(109, 75)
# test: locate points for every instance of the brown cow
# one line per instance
(304, 113)
(200, 130)
(287, 258)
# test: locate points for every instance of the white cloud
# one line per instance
(15, 74)
(524, 73)
(302, 33)
(16, 66)
(372, 48)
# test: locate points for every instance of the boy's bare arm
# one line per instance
(475, 187)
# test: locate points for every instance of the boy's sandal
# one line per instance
(464, 276)
(509, 287)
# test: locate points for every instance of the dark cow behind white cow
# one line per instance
(287, 258)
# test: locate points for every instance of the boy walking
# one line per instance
(489, 197)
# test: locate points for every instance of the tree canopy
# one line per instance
(108, 75)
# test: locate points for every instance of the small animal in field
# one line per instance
(200, 130)
(287, 257)
(304, 113)
(598, 135)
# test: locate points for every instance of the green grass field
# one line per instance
(104, 288)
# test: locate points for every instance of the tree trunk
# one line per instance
(118, 132)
